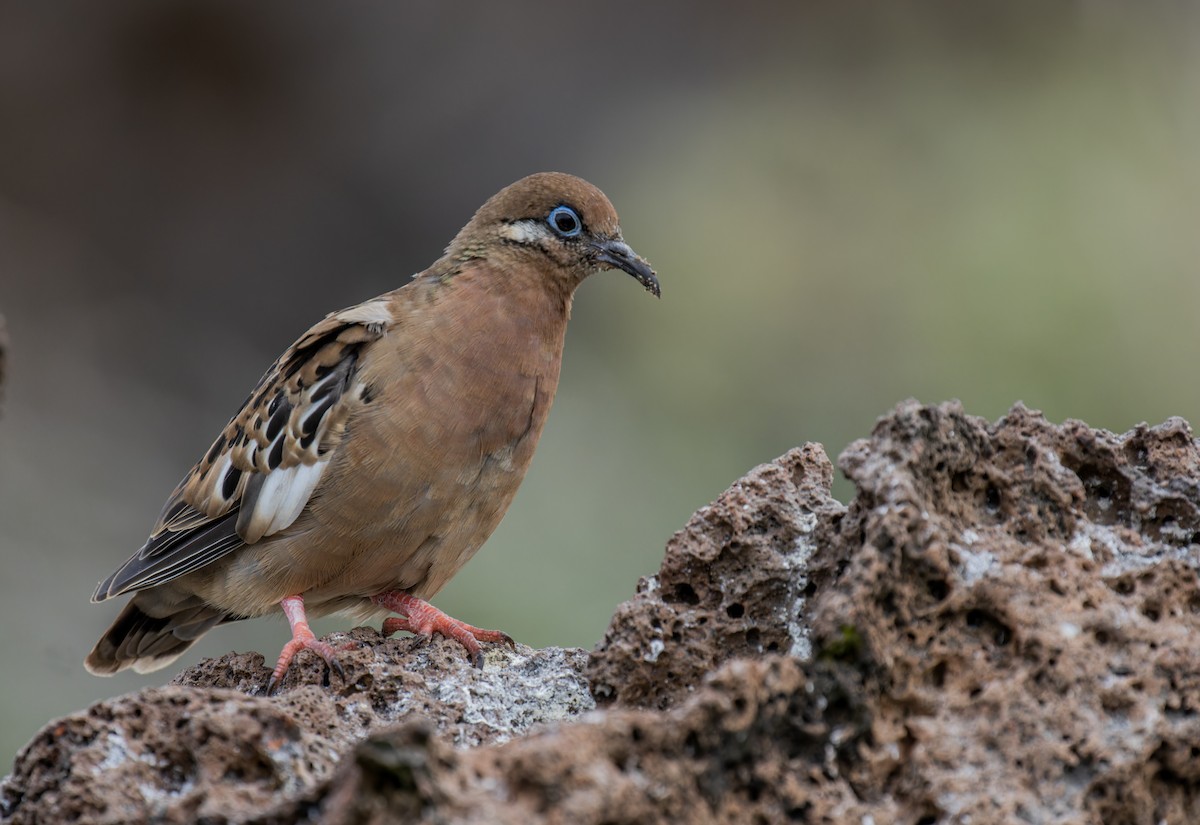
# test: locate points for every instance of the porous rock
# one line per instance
(734, 583)
(211, 746)
(995, 630)
(388, 680)
(759, 741)
(1025, 604)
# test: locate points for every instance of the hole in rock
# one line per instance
(1123, 585)
(1000, 632)
(685, 593)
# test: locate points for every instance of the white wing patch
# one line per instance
(305, 479)
(280, 500)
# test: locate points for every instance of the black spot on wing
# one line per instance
(333, 387)
(306, 349)
(275, 458)
(249, 500)
(327, 392)
(283, 409)
(312, 418)
(229, 484)
(215, 449)
(260, 392)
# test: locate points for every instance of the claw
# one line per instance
(302, 639)
(423, 620)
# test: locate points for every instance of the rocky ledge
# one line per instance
(997, 629)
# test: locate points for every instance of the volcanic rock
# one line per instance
(998, 628)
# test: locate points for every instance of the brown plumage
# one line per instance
(382, 448)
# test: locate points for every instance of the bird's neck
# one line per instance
(544, 292)
(514, 312)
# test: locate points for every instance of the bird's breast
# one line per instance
(431, 463)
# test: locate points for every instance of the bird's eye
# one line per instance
(564, 221)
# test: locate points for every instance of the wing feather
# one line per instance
(260, 473)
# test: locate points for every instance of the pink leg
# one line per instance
(302, 639)
(423, 619)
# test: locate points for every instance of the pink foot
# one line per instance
(423, 619)
(302, 639)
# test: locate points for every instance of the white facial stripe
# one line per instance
(526, 232)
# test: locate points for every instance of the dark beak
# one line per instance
(613, 253)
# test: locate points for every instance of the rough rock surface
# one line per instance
(995, 630)
(388, 680)
(1025, 601)
(733, 583)
(211, 746)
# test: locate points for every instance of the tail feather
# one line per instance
(145, 642)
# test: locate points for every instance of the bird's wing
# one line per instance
(261, 471)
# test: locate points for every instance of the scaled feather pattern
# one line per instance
(260, 472)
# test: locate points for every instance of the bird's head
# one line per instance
(561, 224)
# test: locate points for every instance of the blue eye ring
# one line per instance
(565, 222)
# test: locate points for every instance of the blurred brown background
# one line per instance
(848, 204)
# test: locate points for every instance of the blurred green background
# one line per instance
(848, 204)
